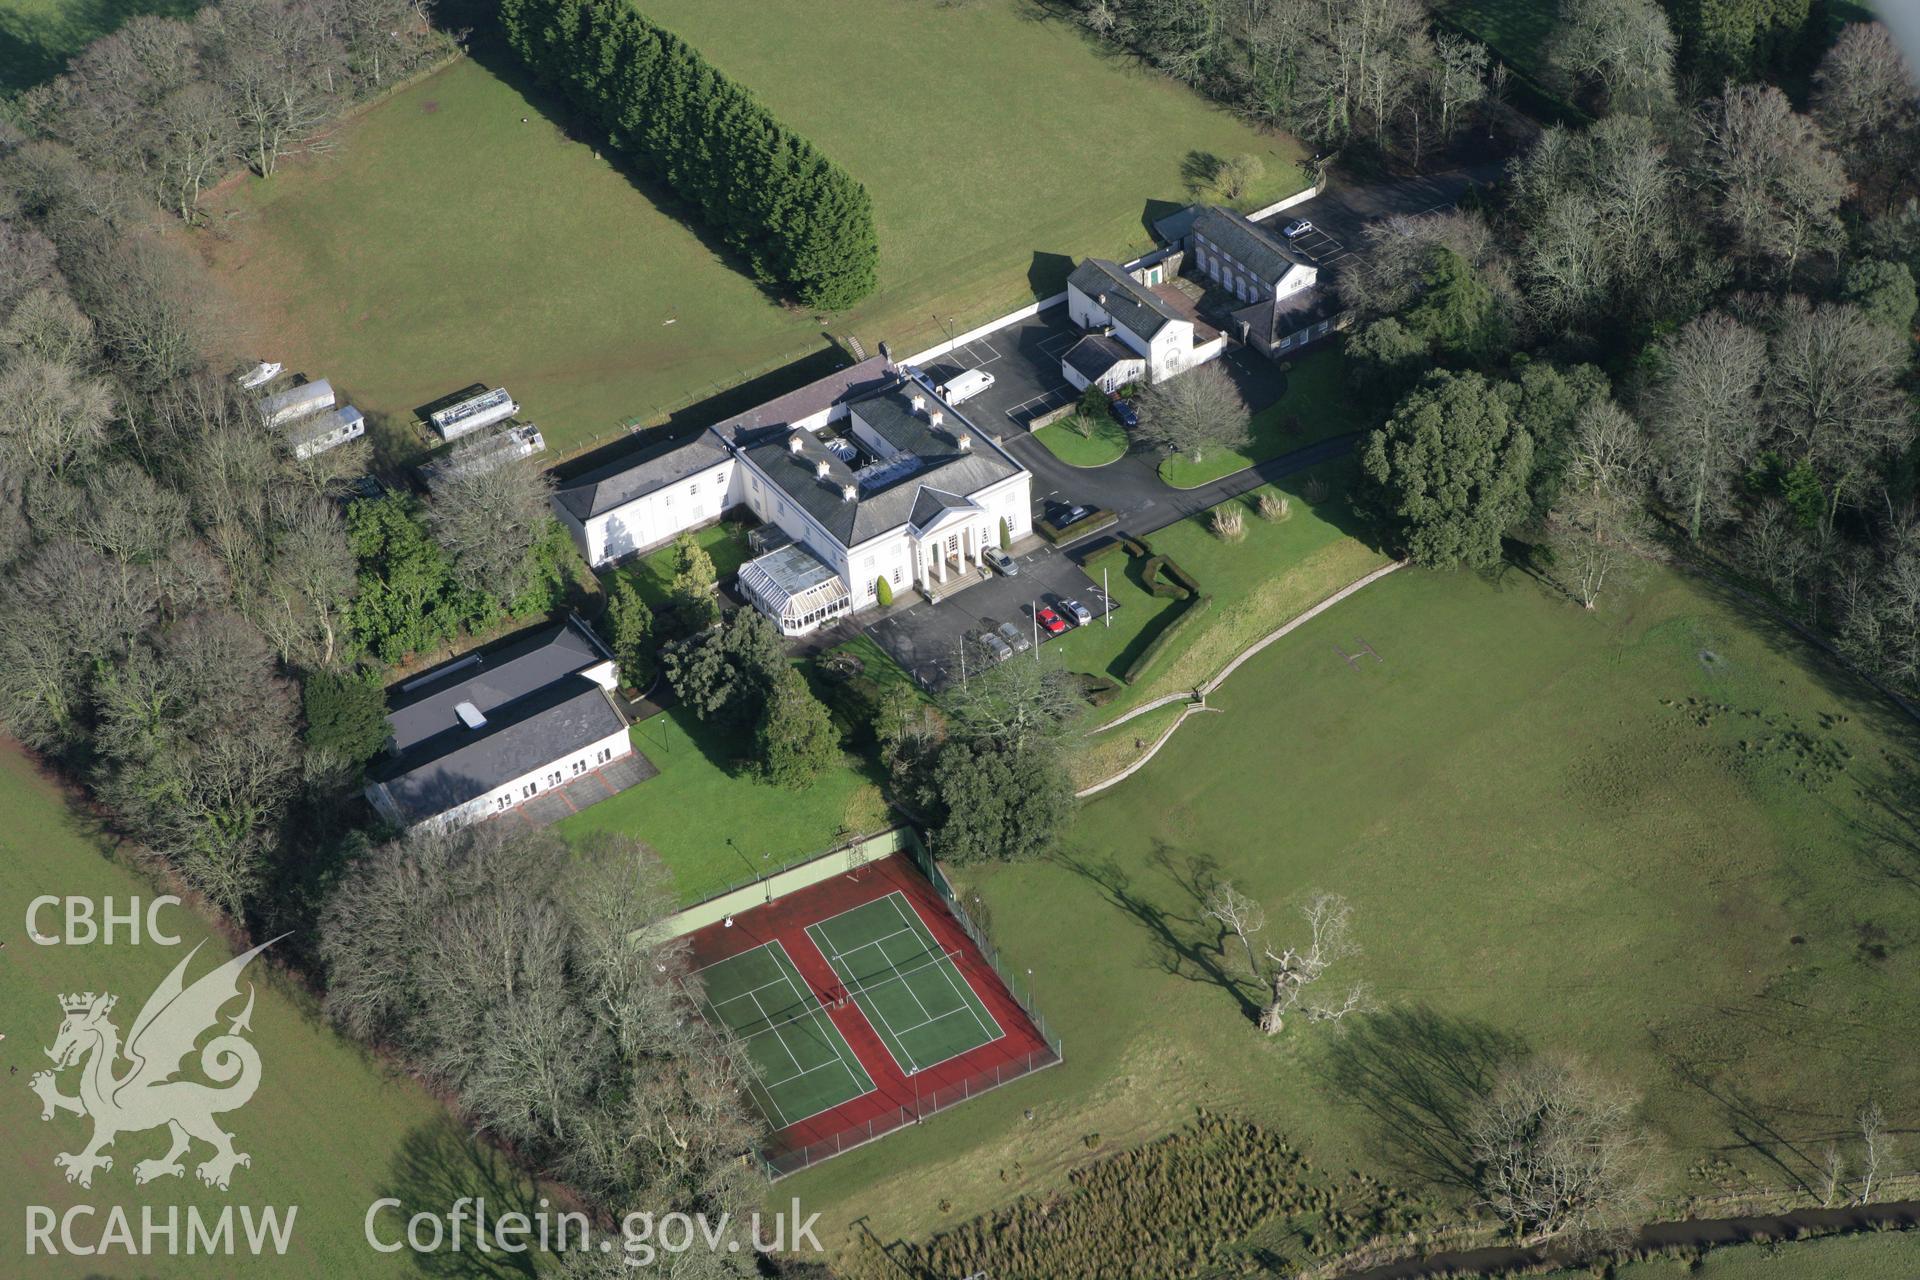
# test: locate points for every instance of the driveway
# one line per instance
(926, 639)
(1340, 214)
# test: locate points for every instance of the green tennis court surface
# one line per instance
(803, 1064)
(919, 1003)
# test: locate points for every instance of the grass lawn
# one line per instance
(38, 36)
(1633, 835)
(712, 822)
(1275, 573)
(1106, 442)
(458, 235)
(1516, 29)
(330, 1131)
(1885, 1256)
(652, 574)
(1316, 395)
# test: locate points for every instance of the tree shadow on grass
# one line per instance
(1887, 827)
(1418, 1073)
(1187, 944)
(438, 1165)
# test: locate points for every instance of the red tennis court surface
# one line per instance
(897, 1098)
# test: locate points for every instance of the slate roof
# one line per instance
(1299, 310)
(929, 504)
(1094, 354)
(873, 511)
(1173, 228)
(1130, 303)
(490, 679)
(599, 492)
(1248, 244)
(547, 725)
(637, 475)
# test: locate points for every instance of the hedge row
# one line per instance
(1092, 522)
(1166, 579)
(799, 220)
(1195, 607)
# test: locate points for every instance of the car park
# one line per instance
(1298, 227)
(1050, 620)
(1001, 562)
(1080, 614)
(1123, 411)
(1015, 636)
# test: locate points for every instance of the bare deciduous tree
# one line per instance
(1704, 415)
(1559, 1152)
(51, 415)
(1243, 916)
(1875, 1147)
(1194, 412)
(1833, 1175)
(1622, 49)
(488, 518)
(1778, 183)
(1599, 525)
(1294, 970)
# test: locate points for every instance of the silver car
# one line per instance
(996, 648)
(1015, 637)
(1080, 614)
(1002, 562)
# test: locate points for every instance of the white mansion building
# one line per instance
(868, 473)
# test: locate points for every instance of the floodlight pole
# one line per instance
(1033, 607)
(1106, 601)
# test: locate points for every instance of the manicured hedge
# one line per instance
(1165, 578)
(1158, 644)
(799, 220)
(1122, 545)
(1092, 522)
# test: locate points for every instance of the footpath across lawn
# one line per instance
(1538, 813)
(1317, 405)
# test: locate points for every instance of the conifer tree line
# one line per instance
(798, 220)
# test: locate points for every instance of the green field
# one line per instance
(330, 1131)
(1317, 404)
(1887, 1256)
(38, 36)
(1640, 836)
(458, 235)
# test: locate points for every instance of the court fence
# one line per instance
(778, 1164)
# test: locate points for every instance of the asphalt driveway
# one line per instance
(926, 639)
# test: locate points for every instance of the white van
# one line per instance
(966, 386)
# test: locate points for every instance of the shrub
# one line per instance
(1228, 522)
(1168, 580)
(1316, 490)
(883, 591)
(1273, 506)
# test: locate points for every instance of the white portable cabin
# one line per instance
(297, 402)
(260, 375)
(472, 414)
(324, 431)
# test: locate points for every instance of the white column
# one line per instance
(943, 560)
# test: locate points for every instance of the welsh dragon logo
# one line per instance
(147, 1094)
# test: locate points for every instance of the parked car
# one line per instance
(963, 387)
(1002, 562)
(1052, 621)
(1298, 227)
(997, 649)
(1015, 636)
(1080, 614)
(1123, 411)
(1067, 513)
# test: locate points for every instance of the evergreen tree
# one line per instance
(346, 714)
(628, 629)
(795, 739)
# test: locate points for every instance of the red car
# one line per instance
(1052, 621)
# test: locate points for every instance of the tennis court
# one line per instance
(909, 987)
(803, 1063)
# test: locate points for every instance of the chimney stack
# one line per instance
(821, 468)
(848, 492)
(796, 442)
(935, 418)
(919, 402)
(965, 442)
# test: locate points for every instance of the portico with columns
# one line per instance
(950, 537)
